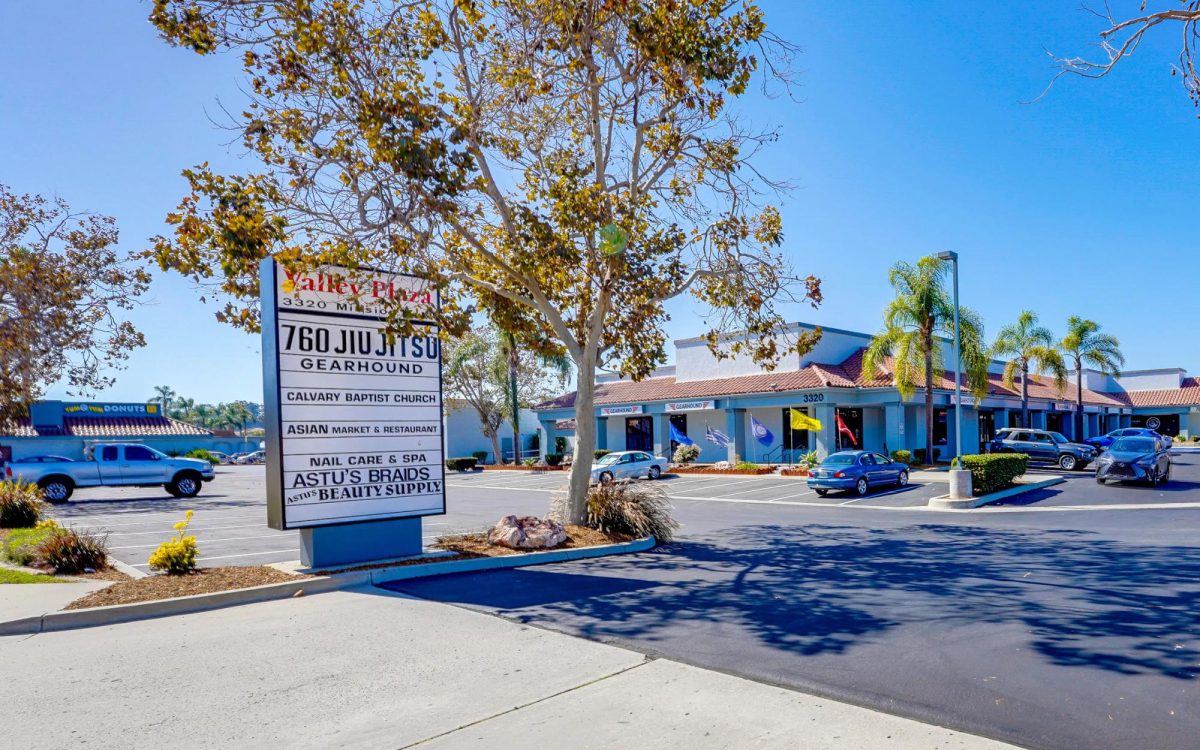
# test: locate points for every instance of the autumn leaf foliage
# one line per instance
(566, 167)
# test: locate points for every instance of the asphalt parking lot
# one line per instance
(230, 515)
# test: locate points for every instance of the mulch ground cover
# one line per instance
(203, 581)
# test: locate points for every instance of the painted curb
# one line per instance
(128, 569)
(943, 502)
(118, 613)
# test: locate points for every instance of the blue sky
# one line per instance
(911, 135)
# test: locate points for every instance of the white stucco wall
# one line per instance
(463, 435)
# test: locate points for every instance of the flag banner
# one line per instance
(760, 431)
(842, 428)
(679, 437)
(801, 421)
(716, 437)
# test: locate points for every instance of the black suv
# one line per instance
(1044, 446)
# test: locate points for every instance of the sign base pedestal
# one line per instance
(327, 546)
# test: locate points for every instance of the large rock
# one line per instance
(527, 532)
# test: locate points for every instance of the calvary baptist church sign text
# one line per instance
(353, 417)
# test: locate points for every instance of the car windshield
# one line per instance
(840, 459)
(1058, 437)
(609, 458)
(1133, 445)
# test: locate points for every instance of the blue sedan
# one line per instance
(858, 471)
(1103, 441)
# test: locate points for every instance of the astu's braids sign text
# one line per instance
(354, 420)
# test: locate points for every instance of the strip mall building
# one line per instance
(700, 392)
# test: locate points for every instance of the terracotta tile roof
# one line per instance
(1187, 394)
(848, 374)
(115, 427)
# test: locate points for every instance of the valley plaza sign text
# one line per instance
(354, 423)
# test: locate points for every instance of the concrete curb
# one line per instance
(128, 569)
(118, 613)
(943, 502)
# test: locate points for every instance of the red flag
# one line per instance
(842, 428)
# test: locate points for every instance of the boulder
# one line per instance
(527, 532)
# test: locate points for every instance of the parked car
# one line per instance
(627, 465)
(858, 471)
(257, 457)
(1134, 459)
(1103, 441)
(114, 465)
(1044, 446)
(222, 458)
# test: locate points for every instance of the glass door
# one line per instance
(639, 434)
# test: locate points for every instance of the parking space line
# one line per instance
(201, 530)
(160, 518)
(756, 489)
(202, 540)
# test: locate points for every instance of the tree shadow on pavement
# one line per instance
(1085, 601)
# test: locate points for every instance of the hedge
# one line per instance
(600, 454)
(996, 471)
(480, 456)
(904, 457)
(462, 463)
(553, 459)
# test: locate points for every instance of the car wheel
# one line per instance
(1067, 462)
(1100, 481)
(654, 472)
(1152, 477)
(821, 493)
(56, 490)
(606, 478)
(861, 486)
(187, 485)
(902, 480)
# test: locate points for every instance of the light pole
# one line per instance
(952, 256)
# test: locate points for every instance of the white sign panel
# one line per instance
(690, 405)
(612, 411)
(354, 422)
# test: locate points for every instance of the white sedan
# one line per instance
(627, 465)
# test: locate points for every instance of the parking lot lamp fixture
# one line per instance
(952, 256)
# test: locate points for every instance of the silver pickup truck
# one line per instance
(114, 465)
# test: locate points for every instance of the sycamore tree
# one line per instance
(1123, 34)
(566, 168)
(63, 290)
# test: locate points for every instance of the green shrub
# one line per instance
(21, 546)
(462, 463)
(627, 509)
(904, 457)
(177, 555)
(919, 456)
(811, 459)
(746, 466)
(203, 455)
(553, 459)
(21, 505)
(74, 551)
(685, 454)
(601, 453)
(531, 461)
(480, 456)
(1196, 438)
(560, 445)
(996, 471)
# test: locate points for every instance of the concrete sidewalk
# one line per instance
(367, 668)
(21, 600)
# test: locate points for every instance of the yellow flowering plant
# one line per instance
(178, 554)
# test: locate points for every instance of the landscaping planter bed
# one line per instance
(793, 472)
(729, 472)
(203, 581)
(509, 467)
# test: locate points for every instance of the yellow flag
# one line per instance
(801, 421)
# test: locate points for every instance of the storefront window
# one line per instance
(639, 434)
(853, 421)
(1163, 424)
(679, 422)
(940, 431)
(795, 442)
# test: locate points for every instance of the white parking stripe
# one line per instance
(202, 541)
(756, 489)
(201, 530)
(161, 517)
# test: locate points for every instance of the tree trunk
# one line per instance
(929, 399)
(1025, 396)
(1078, 436)
(513, 404)
(585, 442)
(495, 436)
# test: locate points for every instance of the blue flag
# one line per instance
(760, 431)
(716, 437)
(679, 437)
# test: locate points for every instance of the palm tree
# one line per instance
(1028, 347)
(1084, 343)
(184, 409)
(916, 326)
(164, 396)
